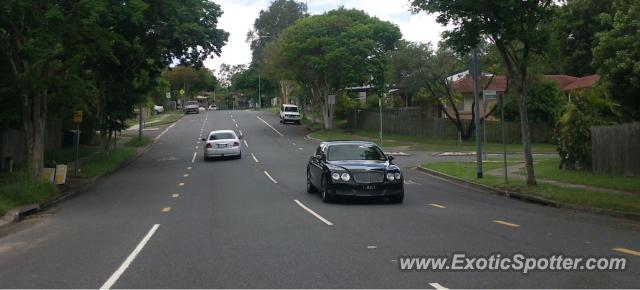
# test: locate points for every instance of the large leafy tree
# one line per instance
(332, 51)
(617, 57)
(247, 83)
(514, 26)
(544, 104)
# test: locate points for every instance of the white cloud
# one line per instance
(239, 16)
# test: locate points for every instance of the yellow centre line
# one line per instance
(175, 195)
(627, 251)
(437, 205)
(166, 209)
(506, 223)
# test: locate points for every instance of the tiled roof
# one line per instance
(581, 83)
(465, 85)
(562, 80)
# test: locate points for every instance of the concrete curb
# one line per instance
(16, 214)
(528, 197)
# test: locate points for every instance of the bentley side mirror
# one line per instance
(390, 158)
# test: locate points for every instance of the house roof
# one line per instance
(582, 83)
(495, 83)
(499, 83)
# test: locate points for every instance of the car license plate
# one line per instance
(369, 187)
(222, 145)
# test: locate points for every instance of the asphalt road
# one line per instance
(172, 220)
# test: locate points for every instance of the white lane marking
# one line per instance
(313, 213)
(300, 148)
(245, 143)
(197, 147)
(241, 133)
(294, 144)
(438, 286)
(254, 158)
(165, 131)
(234, 120)
(268, 175)
(116, 275)
(274, 129)
(237, 125)
(193, 160)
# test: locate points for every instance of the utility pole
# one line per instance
(476, 88)
(504, 139)
(259, 92)
(140, 121)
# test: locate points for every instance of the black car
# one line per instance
(354, 168)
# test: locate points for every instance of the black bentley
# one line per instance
(354, 168)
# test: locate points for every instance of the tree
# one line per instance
(226, 73)
(267, 27)
(544, 104)
(246, 82)
(617, 57)
(332, 51)
(190, 78)
(576, 27)
(514, 26)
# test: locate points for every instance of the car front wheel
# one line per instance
(326, 196)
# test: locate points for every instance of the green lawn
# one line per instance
(548, 169)
(20, 188)
(137, 142)
(66, 155)
(574, 196)
(106, 161)
(423, 143)
(157, 120)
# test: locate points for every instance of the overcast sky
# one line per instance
(239, 16)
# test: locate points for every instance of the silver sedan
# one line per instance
(222, 143)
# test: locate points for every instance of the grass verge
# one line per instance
(423, 143)
(138, 142)
(20, 188)
(106, 161)
(573, 196)
(66, 155)
(548, 169)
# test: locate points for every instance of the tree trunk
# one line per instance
(526, 137)
(34, 110)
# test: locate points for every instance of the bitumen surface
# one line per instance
(172, 220)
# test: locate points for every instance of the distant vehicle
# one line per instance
(222, 143)
(158, 109)
(213, 108)
(289, 113)
(354, 168)
(191, 107)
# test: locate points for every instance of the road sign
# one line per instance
(168, 95)
(332, 100)
(182, 92)
(489, 94)
(77, 117)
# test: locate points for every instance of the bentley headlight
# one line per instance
(335, 176)
(397, 175)
(345, 177)
(390, 176)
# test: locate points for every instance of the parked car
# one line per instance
(289, 113)
(158, 109)
(354, 168)
(222, 143)
(213, 108)
(191, 107)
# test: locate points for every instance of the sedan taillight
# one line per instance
(236, 144)
(209, 145)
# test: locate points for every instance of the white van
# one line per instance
(289, 113)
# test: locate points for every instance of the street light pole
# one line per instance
(259, 92)
(476, 87)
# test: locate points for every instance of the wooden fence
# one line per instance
(616, 149)
(12, 144)
(415, 122)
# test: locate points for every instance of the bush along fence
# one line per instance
(415, 122)
(614, 149)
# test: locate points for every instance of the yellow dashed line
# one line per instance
(627, 251)
(166, 209)
(186, 175)
(437, 205)
(175, 195)
(506, 223)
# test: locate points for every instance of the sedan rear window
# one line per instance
(222, 136)
(355, 152)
